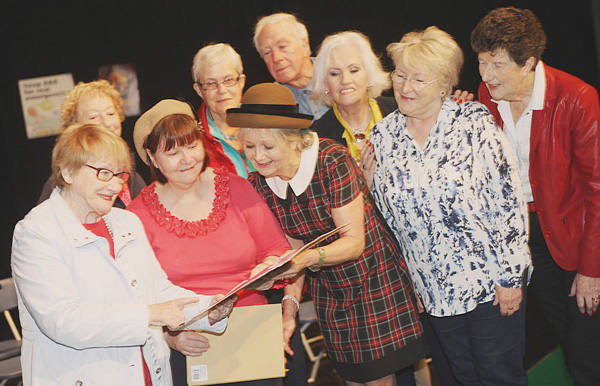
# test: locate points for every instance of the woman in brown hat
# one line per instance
(208, 227)
(358, 280)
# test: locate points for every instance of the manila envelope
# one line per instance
(250, 348)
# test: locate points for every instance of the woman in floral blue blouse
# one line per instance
(449, 188)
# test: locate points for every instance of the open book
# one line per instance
(263, 276)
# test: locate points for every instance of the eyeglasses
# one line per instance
(107, 175)
(416, 84)
(227, 82)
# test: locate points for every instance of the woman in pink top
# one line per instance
(208, 227)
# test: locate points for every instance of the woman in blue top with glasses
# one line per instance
(219, 81)
(449, 187)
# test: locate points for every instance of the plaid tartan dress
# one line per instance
(365, 307)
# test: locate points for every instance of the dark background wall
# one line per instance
(47, 38)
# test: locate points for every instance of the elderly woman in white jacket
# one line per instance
(93, 299)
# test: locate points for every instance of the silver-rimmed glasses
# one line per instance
(417, 84)
(107, 175)
(227, 82)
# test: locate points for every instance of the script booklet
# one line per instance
(265, 275)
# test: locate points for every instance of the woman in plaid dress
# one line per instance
(358, 280)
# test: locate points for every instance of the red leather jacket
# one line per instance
(564, 169)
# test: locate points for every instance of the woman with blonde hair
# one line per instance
(449, 188)
(100, 103)
(358, 281)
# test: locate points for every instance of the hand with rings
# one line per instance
(508, 299)
(368, 163)
(586, 289)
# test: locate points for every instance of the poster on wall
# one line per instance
(124, 78)
(41, 99)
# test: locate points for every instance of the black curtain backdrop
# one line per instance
(160, 38)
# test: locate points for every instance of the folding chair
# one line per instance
(308, 315)
(10, 350)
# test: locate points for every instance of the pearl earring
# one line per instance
(326, 91)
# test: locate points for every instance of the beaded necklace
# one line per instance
(110, 232)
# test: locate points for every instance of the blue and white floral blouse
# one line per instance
(456, 206)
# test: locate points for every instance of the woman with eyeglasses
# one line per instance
(93, 299)
(448, 186)
(219, 80)
(97, 102)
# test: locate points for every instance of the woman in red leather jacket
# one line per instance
(552, 121)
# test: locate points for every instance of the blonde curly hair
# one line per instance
(101, 87)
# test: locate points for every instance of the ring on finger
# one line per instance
(511, 308)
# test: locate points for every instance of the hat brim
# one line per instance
(240, 117)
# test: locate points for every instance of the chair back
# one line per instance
(8, 301)
(8, 294)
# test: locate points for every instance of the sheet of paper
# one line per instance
(285, 258)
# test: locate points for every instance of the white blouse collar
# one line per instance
(306, 170)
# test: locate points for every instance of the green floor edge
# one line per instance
(550, 371)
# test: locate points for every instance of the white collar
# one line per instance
(300, 181)
(539, 88)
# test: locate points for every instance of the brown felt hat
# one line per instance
(268, 106)
(145, 123)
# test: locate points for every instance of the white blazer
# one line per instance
(84, 314)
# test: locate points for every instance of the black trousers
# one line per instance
(578, 334)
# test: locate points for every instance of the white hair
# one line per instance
(299, 29)
(377, 78)
(216, 53)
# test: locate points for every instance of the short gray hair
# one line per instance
(215, 53)
(299, 29)
(377, 78)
